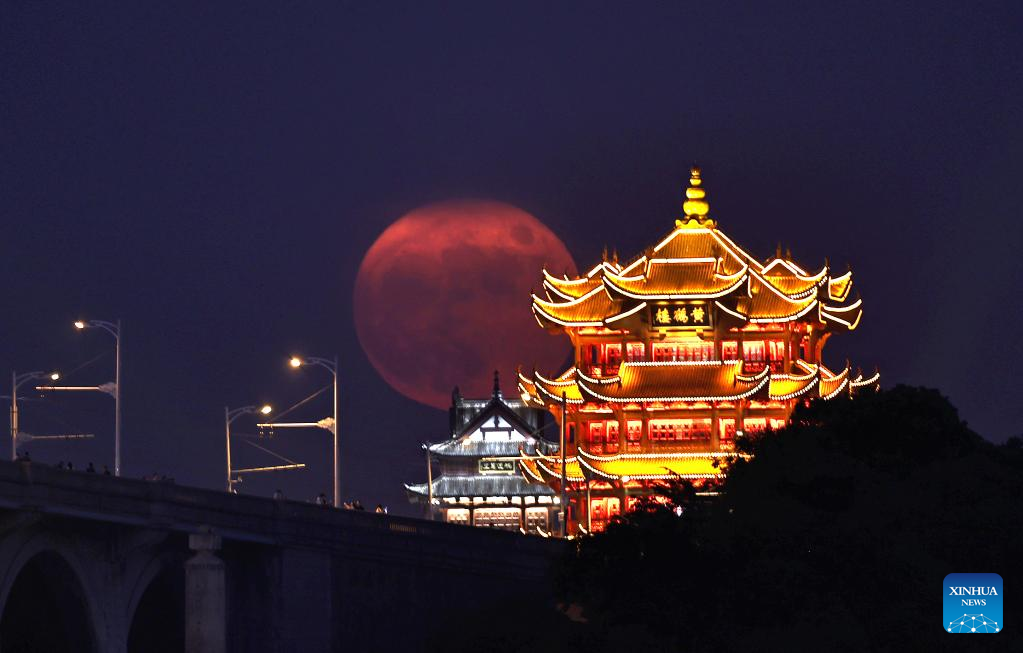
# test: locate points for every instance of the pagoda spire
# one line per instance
(695, 207)
(497, 386)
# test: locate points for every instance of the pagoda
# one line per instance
(472, 475)
(677, 352)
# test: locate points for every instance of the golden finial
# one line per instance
(695, 206)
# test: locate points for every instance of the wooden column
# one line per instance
(644, 437)
(787, 359)
(623, 427)
(715, 434)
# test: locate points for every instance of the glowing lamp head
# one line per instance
(55, 376)
(79, 324)
(295, 361)
(266, 410)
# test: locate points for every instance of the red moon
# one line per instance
(442, 299)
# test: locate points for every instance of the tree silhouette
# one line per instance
(834, 535)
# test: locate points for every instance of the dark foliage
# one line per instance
(835, 536)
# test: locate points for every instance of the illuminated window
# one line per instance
(726, 430)
(612, 357)
(753, 351)
(695, 351)
(611, 439)
(777, 424)
(536, 519)
(663, 351)
(633, 435)
(458, 516)
(730, 350)
(635, 351)
(601, 512)
(700, 429)
(503, 518)
(755, 424)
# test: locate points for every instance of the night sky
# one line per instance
(213, 174)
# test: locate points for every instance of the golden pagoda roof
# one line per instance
(547, 469)
(696, 278)
(790, 386)
(653, 467)
(588, 310)
(673, 381)
(792, 280)
(696, 261)
(690, 381)
(553, 389)
(847, 316)
(838, 287)
(573, 288)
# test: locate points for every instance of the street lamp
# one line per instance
(18, 380)
(230, 416)
(114, 329)
(330, 366)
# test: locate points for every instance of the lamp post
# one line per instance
(330, 366)
(114, 329)
(230, 416)
(18, 380)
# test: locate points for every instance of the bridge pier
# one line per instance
(205, 597)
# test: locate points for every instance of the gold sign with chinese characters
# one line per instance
(492, 466)
(693, 315)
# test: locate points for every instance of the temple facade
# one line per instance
(473, 475)
(677, 352)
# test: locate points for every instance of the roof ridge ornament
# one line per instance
(695, 207)
(497, 386)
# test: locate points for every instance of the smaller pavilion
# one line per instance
(473, 477)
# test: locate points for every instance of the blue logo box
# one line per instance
(972, 603)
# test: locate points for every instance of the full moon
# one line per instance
(442, 299)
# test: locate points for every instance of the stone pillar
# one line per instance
(205, 596)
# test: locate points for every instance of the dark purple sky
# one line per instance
(213, 175)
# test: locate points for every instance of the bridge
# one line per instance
(93, 563)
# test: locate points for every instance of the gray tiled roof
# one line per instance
(458, 447)
(480, 486)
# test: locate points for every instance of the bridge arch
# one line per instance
(44, 604)
(156, 608)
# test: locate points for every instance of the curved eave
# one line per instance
(417, 489)
(631, 288)
(548, 468)
(570, 288)
(839, 287)
(860, 382)
(600, 391)
(528, 393)
(791, 386)
(552, 389)
(831, 385)
(530, 471)
(847, 316)
(653, 467)
(756, 317)
(795, 283)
